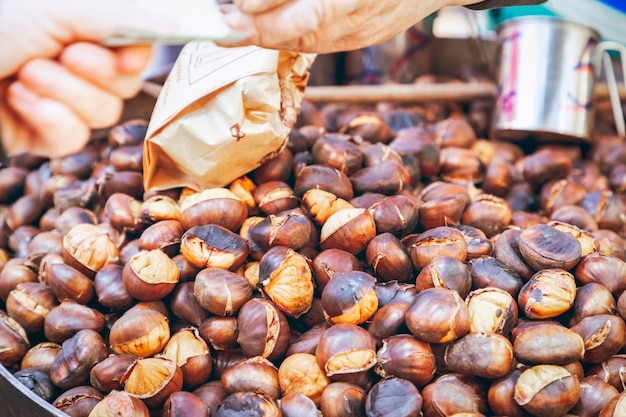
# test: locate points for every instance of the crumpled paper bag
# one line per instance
(221, 113)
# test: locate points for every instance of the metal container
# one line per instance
(547, 71)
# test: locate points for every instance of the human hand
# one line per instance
(56, 81)
(324, 26)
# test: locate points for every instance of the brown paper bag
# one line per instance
(222, 113)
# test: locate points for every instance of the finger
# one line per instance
(291, 21)
(116, 72)
(48, 79)
(55, 129)
(258, 6)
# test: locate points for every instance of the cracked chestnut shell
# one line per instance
(447, 272)
(220, 332)
(486, 355)
(249, 404)
(452, 394)
(262, 330)
(107, 374)
(350, 229)
(275, 196)
(438, 241)
(152, 380)
(330, 261)
(397, 214)
(220, 291)
(88, 248)
(150, 275)
(29, 304)
(547, 390)
(603, 336)
(214, 246)
(141, 331)
(405, 356)
(548, 343)
(122, 211)
(320, 204)
(606, 270)
(14, 271)
(594, 394)
(291, 228)
(491, 310)
(164, 235)
(192, 355)
(487, 271)
(78, 354)
(343, 399)
(545, 247)
(592, 299)
(325, 178)
(488, 213)
(349, 297)
(586, 240)
(13, 340)
(337, 151)
(389, 258)
(301, 373)
(213, 206)
(549, 293)
(442, 208)
(40, 356)
(438, 315)
(254, 374)
(78, 401)
(287, 280)
(344, 351)
(615, 407)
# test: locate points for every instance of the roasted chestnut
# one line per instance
(547, 390)
(152, 380)
(220, 291)
(405, 356)
(349, 297)
(344, 351)
(191, 353)
(262, 329)
(141, 331)
(287, 280)
(438, 315)
(393, 396)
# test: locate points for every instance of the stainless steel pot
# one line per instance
(547, 71)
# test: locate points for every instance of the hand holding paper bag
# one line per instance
(221, 113)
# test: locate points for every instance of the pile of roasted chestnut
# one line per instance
(389, 262)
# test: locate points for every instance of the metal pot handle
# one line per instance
(603, 59)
